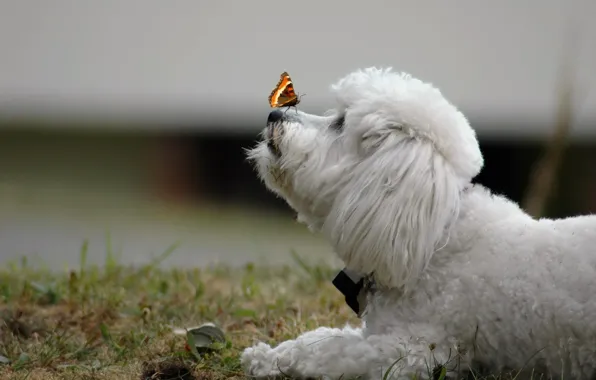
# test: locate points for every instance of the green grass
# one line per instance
(115, 322)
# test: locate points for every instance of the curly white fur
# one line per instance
(457, 267)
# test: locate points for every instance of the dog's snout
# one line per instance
(274, 116)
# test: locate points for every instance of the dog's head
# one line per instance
(380, 175)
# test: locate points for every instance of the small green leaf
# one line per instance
(205, 338)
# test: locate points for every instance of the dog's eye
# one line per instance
(338, 124)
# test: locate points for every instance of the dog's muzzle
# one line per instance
(274, 135)
(274, 130)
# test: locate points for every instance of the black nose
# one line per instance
(274, 116)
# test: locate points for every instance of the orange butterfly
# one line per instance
(283, 94)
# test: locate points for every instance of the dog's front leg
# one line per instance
(329, 352)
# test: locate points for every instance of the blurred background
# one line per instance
(124, 122)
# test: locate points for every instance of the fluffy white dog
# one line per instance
(460, 275)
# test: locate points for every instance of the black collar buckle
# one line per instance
(350, 285)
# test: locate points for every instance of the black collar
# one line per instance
(355, 289)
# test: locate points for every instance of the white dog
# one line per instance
(460, 275)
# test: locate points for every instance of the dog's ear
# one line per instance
(394, 211)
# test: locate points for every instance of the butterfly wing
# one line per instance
(283, 94)
(276, 92)
(288, 97)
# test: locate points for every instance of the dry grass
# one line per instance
(115, 322)
(542, 186)
(543, 178)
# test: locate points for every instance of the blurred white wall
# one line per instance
(218, 60)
